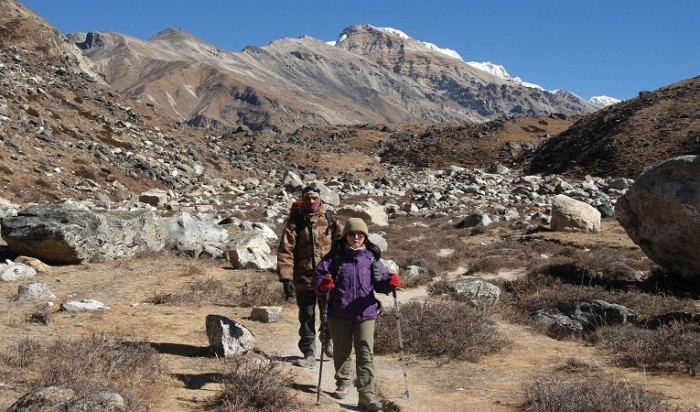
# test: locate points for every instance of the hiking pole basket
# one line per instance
(403, 355)
(324, 344)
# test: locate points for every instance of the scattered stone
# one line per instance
(83, 305)
(228, 337)
(43, 399)
(35, 291)
(11, 272)
(479, 290)
(266, 314)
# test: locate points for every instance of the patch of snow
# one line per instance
(447, 52)
(394, 31)
(500, 71)
(190, 88)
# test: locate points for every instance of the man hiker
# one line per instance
(307, 236)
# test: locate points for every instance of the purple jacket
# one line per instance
(353, 295)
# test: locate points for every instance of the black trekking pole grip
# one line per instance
(398, 328)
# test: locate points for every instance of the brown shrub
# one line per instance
(200, 290)
(671, 347)
(439, 330)
(255, 384)
(590, 394)
(89, 365)
(258, 293)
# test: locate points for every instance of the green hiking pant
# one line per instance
(346, 334)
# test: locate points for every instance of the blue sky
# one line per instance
(592, 47)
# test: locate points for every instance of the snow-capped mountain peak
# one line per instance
(488, 67)
(602, 101)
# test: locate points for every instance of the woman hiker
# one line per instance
(350, 273)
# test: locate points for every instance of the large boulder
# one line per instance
(661, 214)
(572, 214)
(250, 251)
(71, 233)
(368, 210)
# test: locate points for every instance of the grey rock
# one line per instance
(266, 314)
(46, 399)
(228, 337)
(35, 291)
(571, 214)
(70, 233)
(11, 272)
(84, 305)
(661, 213)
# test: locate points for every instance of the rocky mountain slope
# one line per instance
(621, 140)
(65, 134)
(368, 76)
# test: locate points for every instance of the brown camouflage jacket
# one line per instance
(296, 256)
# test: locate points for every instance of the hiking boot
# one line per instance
(369, 402)
(308, 361)
(341, 392)
(328, 351)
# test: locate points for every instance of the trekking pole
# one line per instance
(403, 355)
(324, 320)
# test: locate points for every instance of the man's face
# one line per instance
(311, 202)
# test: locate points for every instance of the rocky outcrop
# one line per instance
(71, 233)
(661, 214)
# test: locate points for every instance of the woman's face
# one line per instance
(355, 239)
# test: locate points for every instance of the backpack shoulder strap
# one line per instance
(331, 222)
(296, 217)
(335, 252)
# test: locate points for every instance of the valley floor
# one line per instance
(496, 383)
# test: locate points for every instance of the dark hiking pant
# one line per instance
(307, 301)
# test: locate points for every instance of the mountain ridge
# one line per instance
(369, 75)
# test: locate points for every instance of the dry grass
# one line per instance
(563, 393)
(88, 365)
(439, 331)
(670, 347)
(254, 384)
(572, 276)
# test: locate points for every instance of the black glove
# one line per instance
(288, 287)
